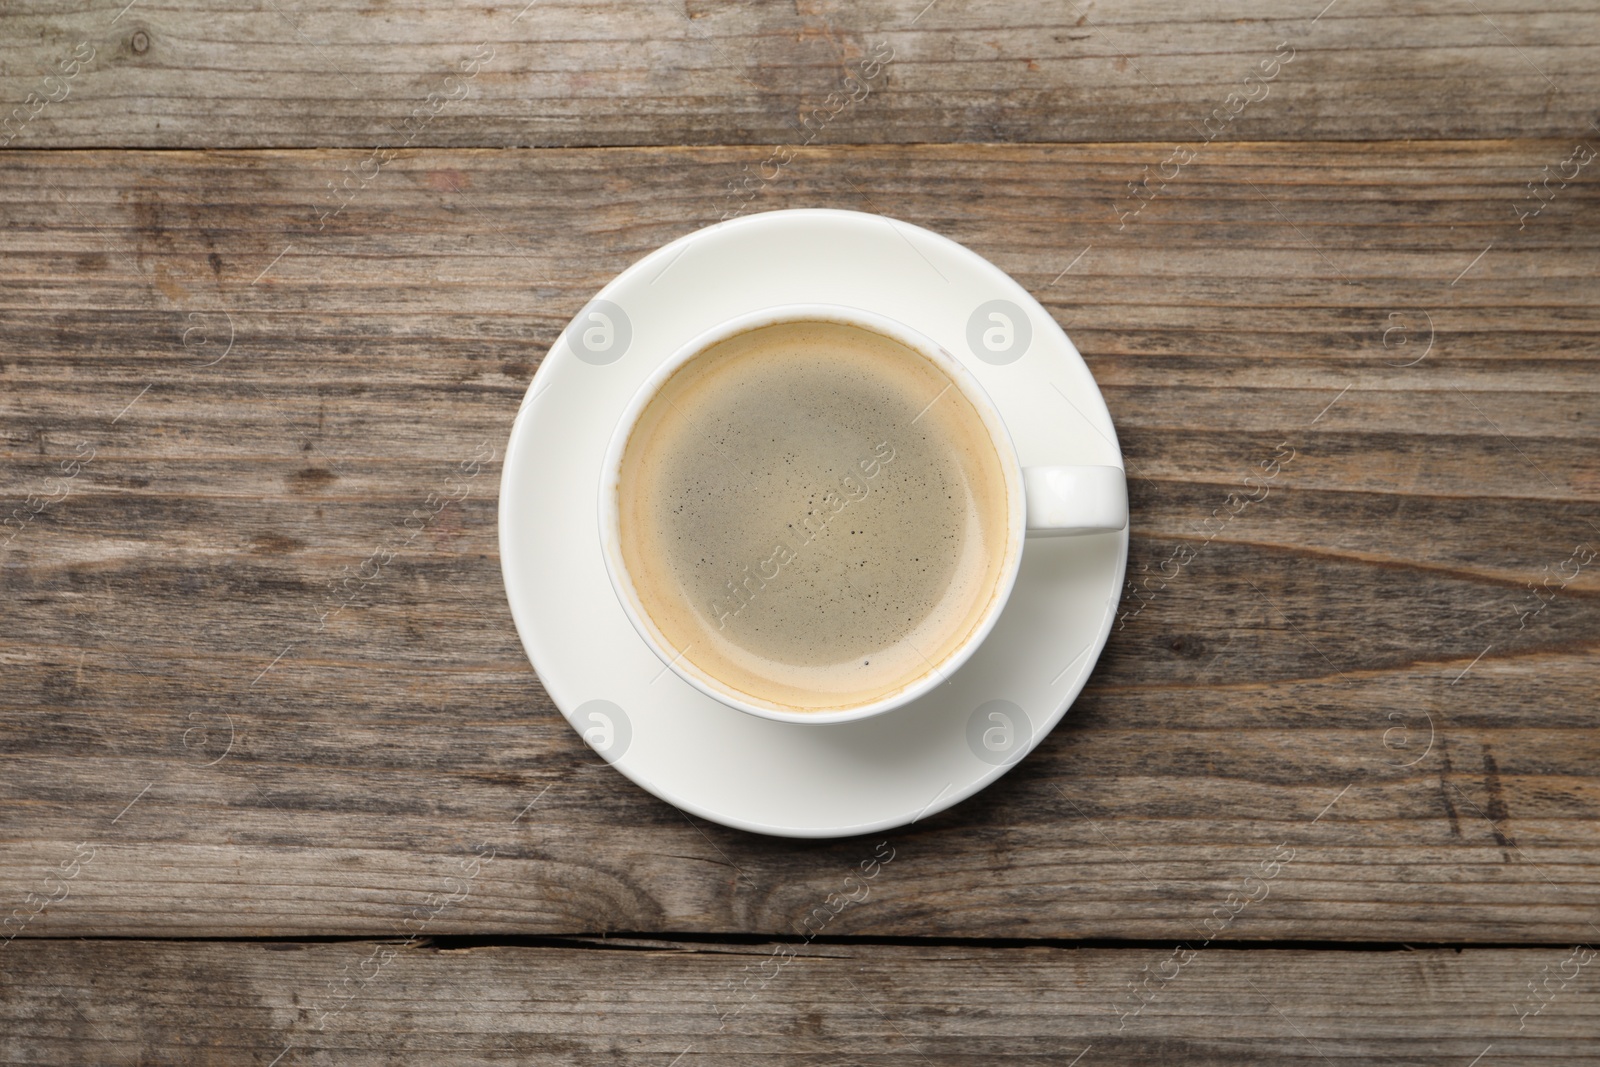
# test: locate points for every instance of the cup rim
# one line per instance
(875, 322)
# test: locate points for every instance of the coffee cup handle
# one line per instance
(1067, 501)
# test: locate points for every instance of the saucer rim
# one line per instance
(513, 469)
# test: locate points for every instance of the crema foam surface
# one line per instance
(813, 515)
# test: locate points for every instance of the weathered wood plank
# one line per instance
(182, 73)
(653, 1002)
(1366, 624)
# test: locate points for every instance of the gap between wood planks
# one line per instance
(648, 941)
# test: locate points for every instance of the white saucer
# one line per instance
(726, 765)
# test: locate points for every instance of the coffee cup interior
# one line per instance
(812, 513)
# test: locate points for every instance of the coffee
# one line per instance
(813, 515)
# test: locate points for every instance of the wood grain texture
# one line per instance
(653, 1002)
(186, 73)
(1348, 667)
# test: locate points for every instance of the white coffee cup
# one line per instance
(1042, 502)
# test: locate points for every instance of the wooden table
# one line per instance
(280, 787)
